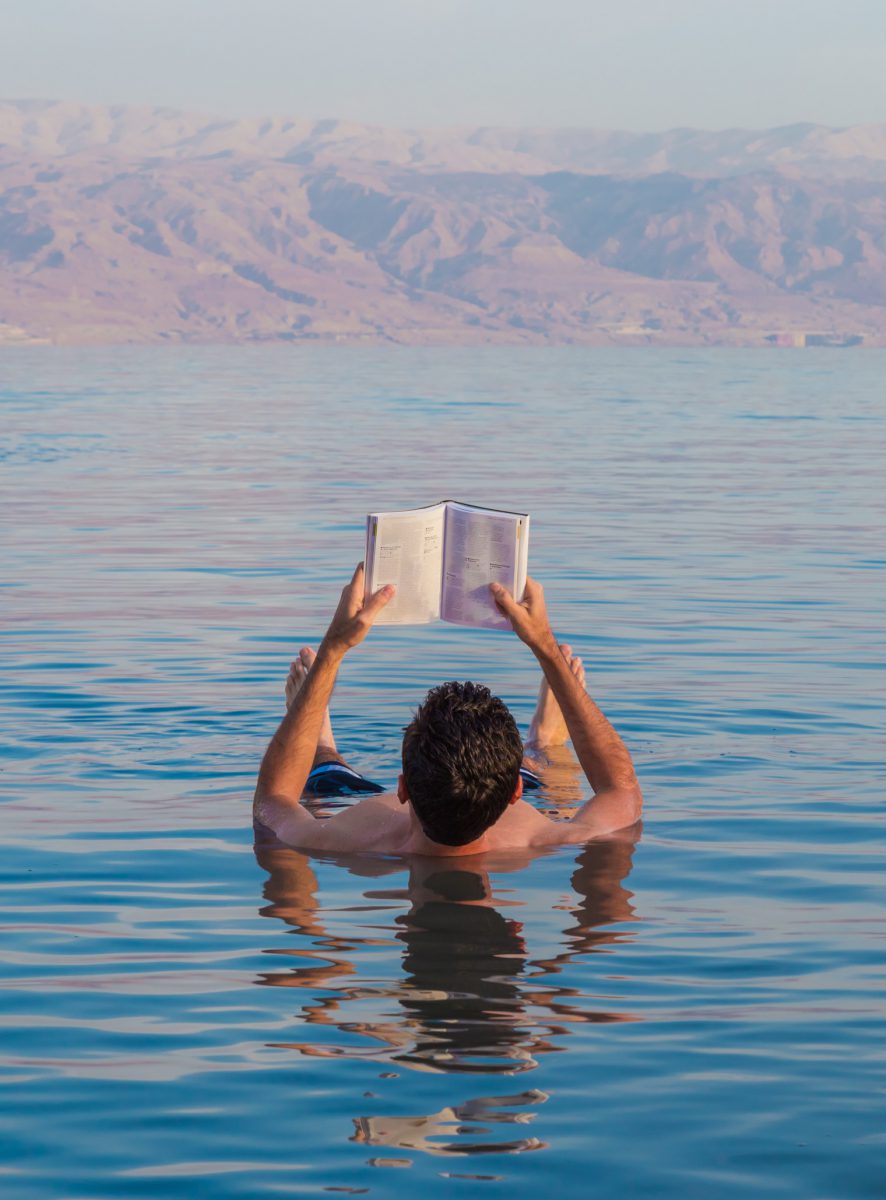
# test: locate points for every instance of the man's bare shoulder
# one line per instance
(377, 823)
(522, 825)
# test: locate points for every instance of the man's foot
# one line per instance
(548, 727)
(298, 673)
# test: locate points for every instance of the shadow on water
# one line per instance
(470, 1000)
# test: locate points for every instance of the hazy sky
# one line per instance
(632, 64)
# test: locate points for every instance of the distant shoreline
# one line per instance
(143, 226)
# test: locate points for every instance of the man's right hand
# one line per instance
(528, 617)
(604, 757)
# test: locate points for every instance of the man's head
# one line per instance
(461, 762)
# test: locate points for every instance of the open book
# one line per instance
(442, 560)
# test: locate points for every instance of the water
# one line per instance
(698, 1014)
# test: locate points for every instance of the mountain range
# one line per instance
(121, 224)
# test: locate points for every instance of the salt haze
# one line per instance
(444, 172)
(647, 65)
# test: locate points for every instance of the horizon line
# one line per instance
(174, 110)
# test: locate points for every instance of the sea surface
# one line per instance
(695, 1012)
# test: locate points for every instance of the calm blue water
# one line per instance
(699, 1014)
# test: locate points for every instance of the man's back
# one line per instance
(381, 825)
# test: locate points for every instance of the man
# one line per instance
(461, 788)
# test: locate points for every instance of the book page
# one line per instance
(406, 549)
(481, 547)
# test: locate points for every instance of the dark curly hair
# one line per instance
(461, 760)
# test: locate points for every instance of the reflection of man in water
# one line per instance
(472, 998)
(461, 787)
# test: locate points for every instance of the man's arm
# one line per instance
(288, 759)
(604, 758)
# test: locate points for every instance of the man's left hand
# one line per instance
(353, 618)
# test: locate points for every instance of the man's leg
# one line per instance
(324, 782)
(298, 672)
(545, 750)
(548, 728)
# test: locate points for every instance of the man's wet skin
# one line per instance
(298, 673)
(429, 826)
(547, 727)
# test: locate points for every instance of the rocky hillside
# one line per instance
(135, 225)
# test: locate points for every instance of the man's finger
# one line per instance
(376, 603)
(503, 598)
(352, 593)
(533, 589)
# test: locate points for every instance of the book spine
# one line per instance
(443, 555)
(369, 556)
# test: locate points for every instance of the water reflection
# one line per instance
(444, 1132)
(470, 997)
